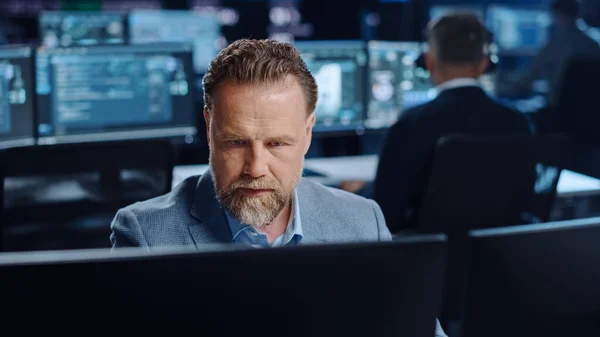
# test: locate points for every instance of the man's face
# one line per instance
(258, 135)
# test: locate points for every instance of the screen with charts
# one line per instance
(339, 69)
(440, 10)
(109, 92)
(202, 29)
(518, 30)
(72, 28)
(396, 83)
(17, 96)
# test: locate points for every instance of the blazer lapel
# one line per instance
(212, 226)
(314, 226)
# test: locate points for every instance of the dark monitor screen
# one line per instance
(361, 289)
(519, 30)
(109, 93)
(534, 280)
(339, 69)
(396, 83)
(440, 10)
(201, 28)
(65, 29)
(17, 105)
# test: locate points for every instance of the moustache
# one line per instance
(257, 184)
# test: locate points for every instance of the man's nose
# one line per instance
(256, 162)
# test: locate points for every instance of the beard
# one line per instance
(255, 211)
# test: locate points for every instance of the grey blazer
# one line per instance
(191, 216)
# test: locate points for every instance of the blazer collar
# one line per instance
(314, 222)
(212, 226)
(463, 82)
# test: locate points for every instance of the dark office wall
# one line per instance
(332, 19)
(348, 19)
(401, 21)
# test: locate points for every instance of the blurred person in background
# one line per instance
(457, 56)
(566, 42)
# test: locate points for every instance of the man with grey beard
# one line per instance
(260, 100)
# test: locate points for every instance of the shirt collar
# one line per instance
(293, 230)
(457, 83)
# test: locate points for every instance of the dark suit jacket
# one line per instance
(406, 157)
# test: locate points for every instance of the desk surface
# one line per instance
(337, 169)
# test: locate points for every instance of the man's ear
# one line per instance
(207, 122)
(483, 65)
(310, 122)
(429, 61)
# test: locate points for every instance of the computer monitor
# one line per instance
(339, 69)
(360, 289)
(440, 10)
(396, 83)
(202, 29)
(534, 281)
(17, 96)
(74, 28)
(115, 92)
(520, 30)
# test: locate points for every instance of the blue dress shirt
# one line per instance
(246, 235)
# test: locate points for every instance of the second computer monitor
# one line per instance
(17, 96)
(518, 30)
(339, 69)
(396, 83)
(70, 28)
(108, 93)
(201, 29)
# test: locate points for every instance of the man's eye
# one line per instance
(277, 144)
(236, 142)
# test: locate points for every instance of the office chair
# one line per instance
(477, 182)
(70, 189)
(551, 153)
(480, 182)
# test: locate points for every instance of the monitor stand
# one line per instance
(114, 186)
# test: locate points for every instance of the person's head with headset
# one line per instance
(457, 47)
